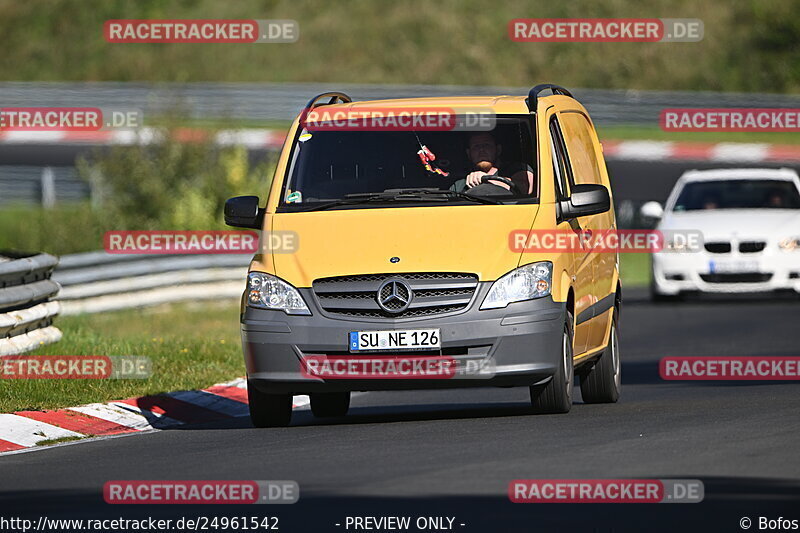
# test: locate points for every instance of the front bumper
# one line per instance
(773, 270)
(521, 344)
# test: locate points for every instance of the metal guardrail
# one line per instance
(28, 184)
(26, 312)
(95, 282)
(282, 101)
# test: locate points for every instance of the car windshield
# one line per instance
(738, 194)
(398, 168)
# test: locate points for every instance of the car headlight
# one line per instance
(269, 292)
(523, 283)
(790, 243)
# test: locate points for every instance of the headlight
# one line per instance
(791, 243)
(269, 292)
(523, 283)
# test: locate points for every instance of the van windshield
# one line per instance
(345, 169)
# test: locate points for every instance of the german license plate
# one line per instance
(401, 339)
(733, 267)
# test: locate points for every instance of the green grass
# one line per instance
(634, 269)
(59, 440)
(749, 45)
(191, 346)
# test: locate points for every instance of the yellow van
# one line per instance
(403, 253)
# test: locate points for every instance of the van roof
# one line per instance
(501, 105)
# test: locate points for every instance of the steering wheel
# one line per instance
(489, 179)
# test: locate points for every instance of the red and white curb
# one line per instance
(699, 151)
(250, 138)
(267, 139)
(25, 429)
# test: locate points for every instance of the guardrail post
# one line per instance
(48, 188)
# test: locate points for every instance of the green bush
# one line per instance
(167, 184)
(163, 184)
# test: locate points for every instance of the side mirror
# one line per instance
(243, 212)
(586, 199)
(652, 210)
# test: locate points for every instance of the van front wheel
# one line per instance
(556, 395)
(601, 383)
(268, 410)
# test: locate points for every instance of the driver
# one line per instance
(484, 152)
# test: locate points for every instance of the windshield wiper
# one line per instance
(400, 195)
(446, 193)
(363, 198)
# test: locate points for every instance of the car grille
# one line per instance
(718, 247)
(749, 277)
(434, 293)
(751, 247)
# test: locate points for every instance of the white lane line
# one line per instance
(26, 432)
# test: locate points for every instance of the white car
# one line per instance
(750, 223)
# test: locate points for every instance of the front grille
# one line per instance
(718, 247)
(433, 293)
(750, 277)
(751, 247)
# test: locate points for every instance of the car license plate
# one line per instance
(401, 339)
(733, 267)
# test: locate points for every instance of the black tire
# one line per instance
(329, 404)
(602, 383)
(555, 396)
(269, 410)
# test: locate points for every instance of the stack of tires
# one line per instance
(26, 309)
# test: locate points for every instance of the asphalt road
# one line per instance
(454, 452)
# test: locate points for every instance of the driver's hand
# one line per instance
(474, 178)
